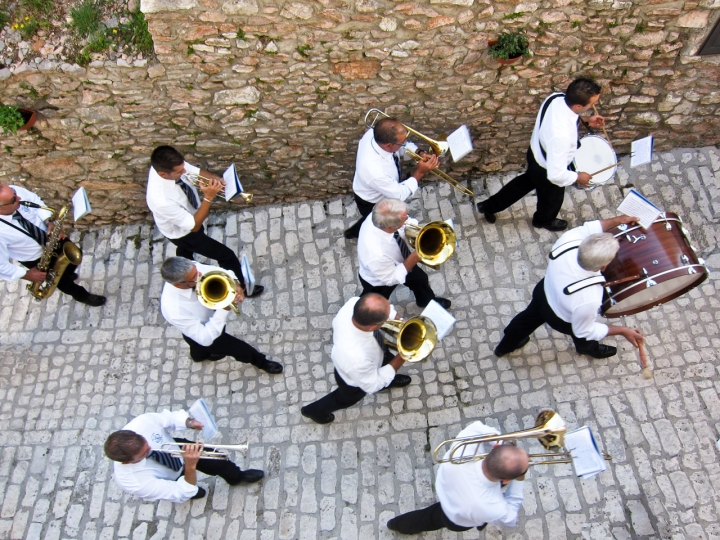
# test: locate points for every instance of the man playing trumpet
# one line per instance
(203, 328)
(143, 470)
(179, 209)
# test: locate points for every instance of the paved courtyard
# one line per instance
(71, 374)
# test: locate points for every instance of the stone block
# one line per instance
(156, 6)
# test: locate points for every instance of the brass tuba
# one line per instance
(415, 338)
(434, 242)
(69, 254)
(216, 290)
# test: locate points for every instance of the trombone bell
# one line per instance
(415, 338)
(216, 290)
(434, 242)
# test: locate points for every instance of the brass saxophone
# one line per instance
(70, 254)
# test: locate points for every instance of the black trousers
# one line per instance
(549, 196)
(201, 243)
(67, 283)
(226, 345)
(224, 468)
(342, 397)
(365, 208)
(431, 518)
(537, 313)
(416, 280)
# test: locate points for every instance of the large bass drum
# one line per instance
(652, 267)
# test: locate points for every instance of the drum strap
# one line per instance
(542, 115)
(564, 248)
(584, 284)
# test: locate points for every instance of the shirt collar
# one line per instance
(381, 152)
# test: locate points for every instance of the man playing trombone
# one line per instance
(179, 209)
(203, 328)
(470, 494)
(143, 469)
(378, 168)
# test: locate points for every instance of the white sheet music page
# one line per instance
(586, 457)
(248, 275)
(81, 204)
(642, 150)
(232, 183)
(440, 317)
(634, 204)
(460, 143)
(200, 412)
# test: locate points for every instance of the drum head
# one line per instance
(595, 153)
(649, 297)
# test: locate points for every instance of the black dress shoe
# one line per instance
(489, 216)
(215, 357)
(599, 351)
(250, 476)
(444, 302)
(391, 525)
(94, 300)
(399, 381)
(554, 225)
(318, 419)
(257, 291)
(502, 351)
(271, 367)
(200, 494)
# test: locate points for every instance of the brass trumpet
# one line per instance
(440, 148)
(434, 242)
(216, 290)
(209, 451)
(415, 338)
(199, 180)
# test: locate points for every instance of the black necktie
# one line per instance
(398, 166)
(404, 249)
(36, 232)
(380, 339)
(163, 458)
(189, 193)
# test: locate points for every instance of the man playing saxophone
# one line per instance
(23, 237)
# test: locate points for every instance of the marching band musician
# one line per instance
(385, 258)
(363, 364)
(552, 149)
(378, 169)
(141, 469)
(179, 209)
(569, 296)
(471, 493)
(203, 328)
(23, 236)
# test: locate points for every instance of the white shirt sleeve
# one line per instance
(203, 334)
(584, 325)
(557, 162)
(158, 489)
(391, 189)
(387, 271)
(513, 495)
(9, 271)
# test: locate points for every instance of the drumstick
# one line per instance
(604, 130)
(646, 371)
(606, 168)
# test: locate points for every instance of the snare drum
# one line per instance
(595, 153)
(652, 267)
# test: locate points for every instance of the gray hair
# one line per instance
(175, 269)
(387, 212)
(597, 250)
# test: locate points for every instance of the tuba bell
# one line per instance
(434, 242)
(216, 290)
(415, 338)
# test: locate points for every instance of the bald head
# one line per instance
(372, 309)
(389, 131)
(506, 462)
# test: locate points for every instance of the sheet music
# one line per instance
(232, 183)
(440, 317)
(586, 457)
(634, 204)
(248, 275)
(200, 412)
(81, 204)
(642, 150)
(460, 143)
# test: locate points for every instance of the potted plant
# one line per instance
(509, 47)
(14, 119)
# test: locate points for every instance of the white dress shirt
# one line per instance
(17, 245)
(466, 495)
(171, 209)
(376, 176)
(580, 308)
(182, 309)
(148, 479)
(356, 354)
(379, 256)
(558, 134)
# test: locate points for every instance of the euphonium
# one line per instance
(434, 242)
(415, 338)
(209, 451)
(70, 254)
(216, 290)
(198, 180)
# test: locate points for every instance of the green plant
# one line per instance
(510, 45)
(241, 34)
(4, 19)
(190, 50)
(640, 28)
(302, 50)
(99, 43)
(136, 32)
(28, 28)
(42, 7)
(10, 118)
(85, 18)
(30, 90)
(511, 16)
(82, 58)
(613, 24)
(575, 24)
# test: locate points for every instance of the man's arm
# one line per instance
(208, 191)
(11, 272)
(632, 335)
(611, 223)
(204, 334)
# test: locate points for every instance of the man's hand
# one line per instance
(191, 454)
(596, 121)
(583, 179)
(194, 424)
(211, 187)
(411, 260)
(428, 163)
(35, 275)
(239, 294)
(633, 336)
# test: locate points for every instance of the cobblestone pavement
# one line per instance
(72, 374)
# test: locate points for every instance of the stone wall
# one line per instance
(281, 88)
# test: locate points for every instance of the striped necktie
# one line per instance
(163, 458)
(377, 334)
(36, 232)
(398, 166)
(189, 193)
(404, 249)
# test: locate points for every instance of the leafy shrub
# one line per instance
(136, 32)
(510, 45)
(85, 18)
(10, 119)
